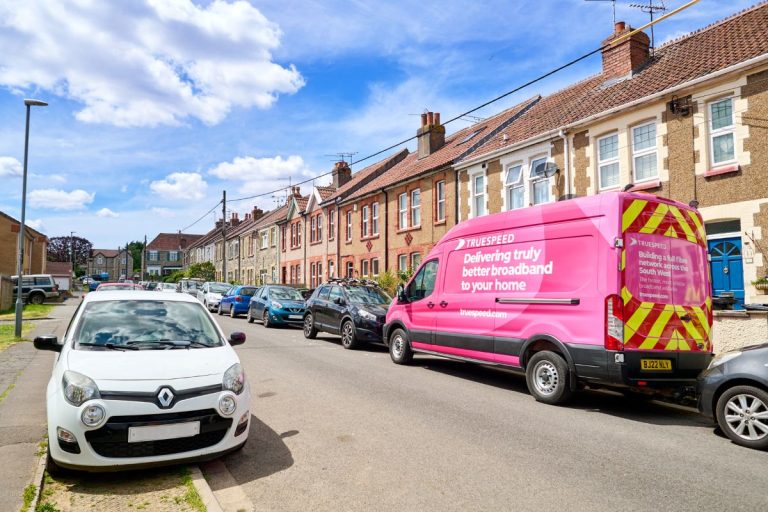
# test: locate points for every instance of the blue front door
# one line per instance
(727, 268)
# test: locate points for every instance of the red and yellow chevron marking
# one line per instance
(652, 326)
(642, 216)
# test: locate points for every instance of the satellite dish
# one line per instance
(546, 169)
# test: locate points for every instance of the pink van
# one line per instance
(607, 290)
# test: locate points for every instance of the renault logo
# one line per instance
(165, 397)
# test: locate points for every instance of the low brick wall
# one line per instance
(6, 292)
(736, 329)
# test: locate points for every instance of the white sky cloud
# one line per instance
(248, 168)
(106, 212)
(36, 224)
(153, 62)
(10, 167)
(54, 199)
(180, 185)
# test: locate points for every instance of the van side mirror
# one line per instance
(401, 294)
(237, 338)
(47, 342)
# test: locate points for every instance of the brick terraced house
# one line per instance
(686, 122)
(165, 253)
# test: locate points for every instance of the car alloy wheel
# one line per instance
(310, 331)
(742, 413)
(348, 340)
(265, 318)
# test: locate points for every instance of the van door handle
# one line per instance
(685, 318)
(443, 303)
(430, 305)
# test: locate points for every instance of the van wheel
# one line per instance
(310, 332)
(742, 414)
(36, 298)
(399, 348)
(547, 377)
(348, 339)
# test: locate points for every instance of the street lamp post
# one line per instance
(72, 257)
(20, 248)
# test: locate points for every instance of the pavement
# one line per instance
(24, 374)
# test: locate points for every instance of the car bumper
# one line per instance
(708, 383)
(281, 317)
(370, 330)
(106, 447)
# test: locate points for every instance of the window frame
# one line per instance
(365, 268)
(608, 161)
(518, 185)
(439, 201)
(717, 132)
(349, 226)
(415, 210)
(474, 195)
(264, 239)
(402, 210)
(331, 225)
(402, 258)
(375, 219)
(374, 267)
(365, 221)
(637, 153)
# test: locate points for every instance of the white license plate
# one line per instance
(294, 317)
(158, 432)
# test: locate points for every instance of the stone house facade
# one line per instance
(111, 262)
(684, 123)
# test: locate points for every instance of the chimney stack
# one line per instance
(257, 213)
(626, 56)
(234, 221)
(341, 174)
(296, 191)
(431, 135)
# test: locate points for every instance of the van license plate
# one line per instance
(656, 365)
(159, 432)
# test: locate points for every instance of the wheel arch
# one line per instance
(540, 342)
(738, 381)
(390, 327)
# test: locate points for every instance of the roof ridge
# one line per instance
(714, 24)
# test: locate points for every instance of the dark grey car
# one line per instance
(734, 391)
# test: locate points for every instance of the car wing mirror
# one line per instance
(237, 338)
(47, 342)
(401, 297)
(339, 301)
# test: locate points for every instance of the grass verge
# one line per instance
(191, 497)
(29, 311)
(7, 332)
(29, 495)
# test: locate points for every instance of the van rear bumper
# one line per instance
(596, 365)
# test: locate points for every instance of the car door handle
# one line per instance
(430, 305)
(443, 303)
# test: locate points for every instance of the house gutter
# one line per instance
(386, 229)
(563, 134)
(755, 61)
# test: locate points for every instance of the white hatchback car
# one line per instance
(144, 379)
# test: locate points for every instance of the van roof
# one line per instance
(580, 207)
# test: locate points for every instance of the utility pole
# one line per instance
(118, 263)
(224, 237)
(143, 262)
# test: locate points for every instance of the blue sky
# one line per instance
(156, 106)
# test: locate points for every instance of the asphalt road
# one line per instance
(349, 430)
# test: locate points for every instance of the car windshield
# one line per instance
(168, 286)
(219, 287)
(145, 324)
(285, 294)
(367, 295)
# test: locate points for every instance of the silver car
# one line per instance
(210, 294)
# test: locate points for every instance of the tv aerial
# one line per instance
(650, 9)
(342, 156)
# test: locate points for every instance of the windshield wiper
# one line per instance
(110, 346)
(168, 344)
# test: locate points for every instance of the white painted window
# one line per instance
(350, 269)
(264, 239)
(330, 269)
(478, 195)
(375, 267)
(375, 218)
(365, 268)
(440, 201)
(540, 184)
(402, 205)
(312, 229)
(319, 237)
(332, 225)
(366, 221)
(402, 262)
(608, 161)
(273, 237)
(349, 225)
(515, 188)
(100, 259)
(415, 260)
(721, 132)
(644, 157)
(415, 208)
(172, 256)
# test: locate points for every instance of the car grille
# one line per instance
(295, 310)
(111, 440)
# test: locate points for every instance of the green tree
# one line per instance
(174, 277)
(136, 248)
(205, 271)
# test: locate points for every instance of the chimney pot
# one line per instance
(619, 27)
(424, 119)
(437, 117)
(430, 118)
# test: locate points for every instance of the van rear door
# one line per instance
(666, 292)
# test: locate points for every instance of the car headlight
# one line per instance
(78, 388)
(93, 415)
(724, 358)
(367, 315)
(234, 379)
(276, 305)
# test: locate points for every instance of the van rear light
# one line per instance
(614, 323)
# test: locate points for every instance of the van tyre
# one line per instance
(742, 414)
(310, 331)
(400, 348)
(547, 377)
(348, 338)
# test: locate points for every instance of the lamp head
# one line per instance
(35, 103)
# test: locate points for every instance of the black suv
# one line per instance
(352, 308)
